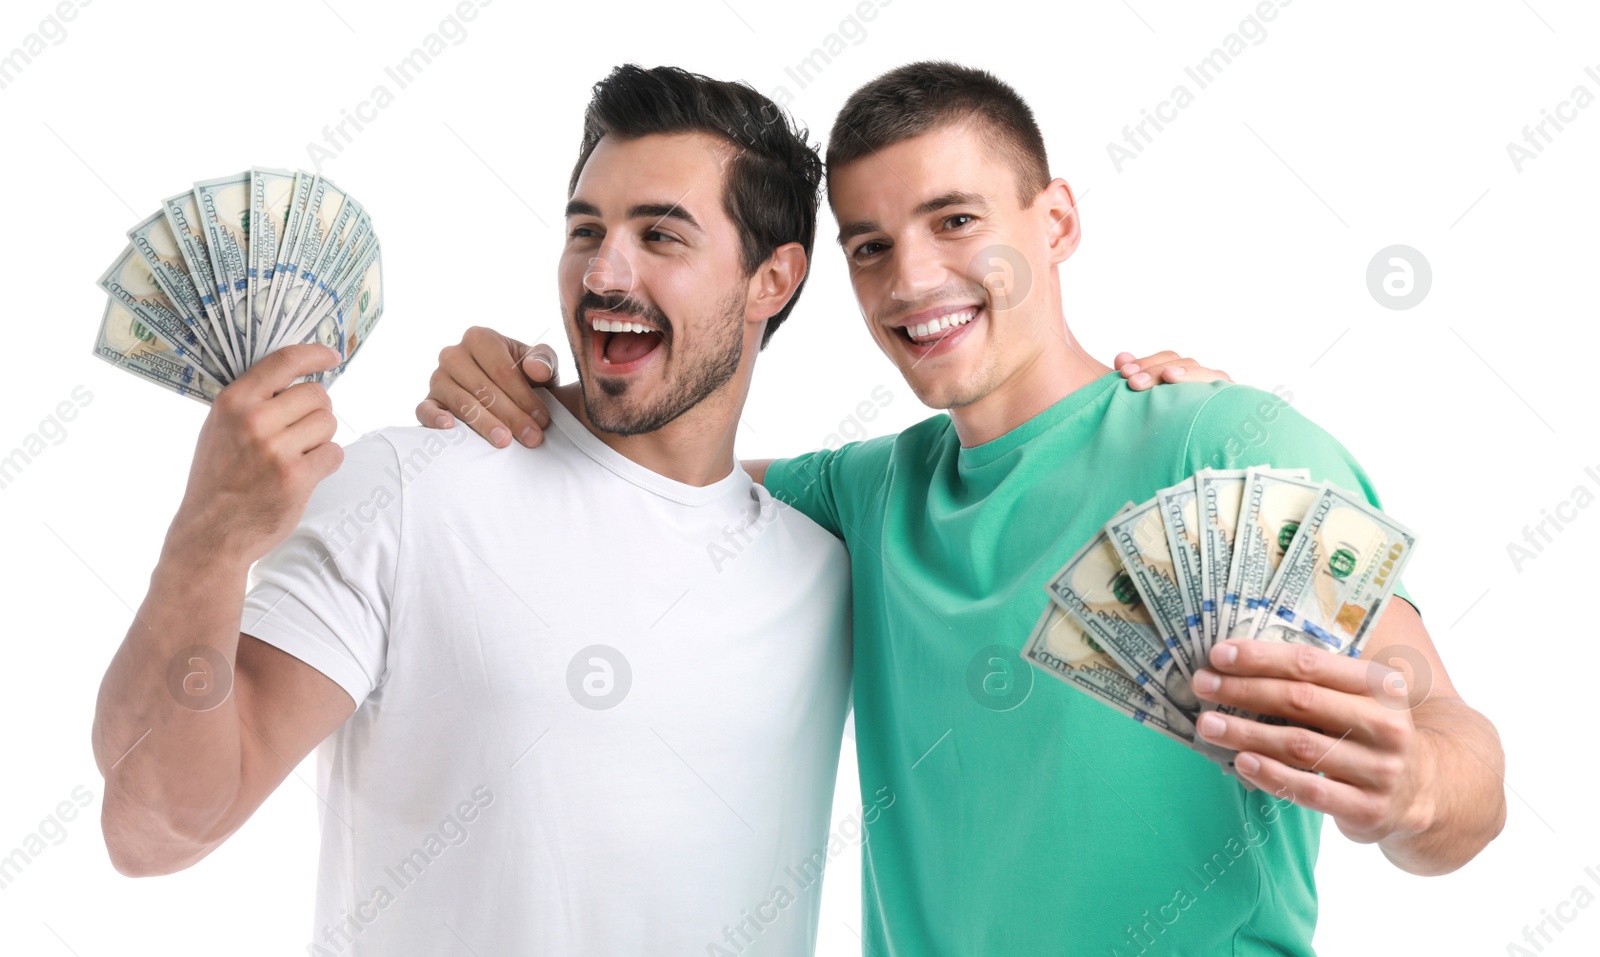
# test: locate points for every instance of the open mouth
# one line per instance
(621, 345)
(942, 331)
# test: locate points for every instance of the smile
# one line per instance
(621, 346)
(938, 328)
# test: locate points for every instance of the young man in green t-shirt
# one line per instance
(1040, 821)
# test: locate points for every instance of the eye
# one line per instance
(650, 234)
(868, 249)
(950, 221)
(583, 232)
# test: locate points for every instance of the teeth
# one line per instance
(617, 325)
(924, 329)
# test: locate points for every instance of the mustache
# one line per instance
(623, 306)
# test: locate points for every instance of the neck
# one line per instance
(696, 448)
(1057, 370)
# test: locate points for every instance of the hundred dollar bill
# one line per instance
(1139, 538)
(1274, 504)
(324, 322)
(183, 216)
(360, 313)
(128, 281)
(225, 216)
(316, 227)
(321, 275)
(1337, 576)
(298, 202)
(127, 343)
(1180, 514)
(270, 193)
(1060, 646)
(1219, 492)
(1094, 588)
(354, 246)
(152, 239)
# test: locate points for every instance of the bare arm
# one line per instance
(1399, 760)
(196, 724)
(487, 381)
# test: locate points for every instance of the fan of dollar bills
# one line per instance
(237, 267)
(1258, 553)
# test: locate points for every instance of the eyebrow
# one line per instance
(656, 211)
(955, 197)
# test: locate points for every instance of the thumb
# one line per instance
(540, 365)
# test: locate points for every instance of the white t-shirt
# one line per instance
(598, 711)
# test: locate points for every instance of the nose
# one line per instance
(610, 273)
(917, 270)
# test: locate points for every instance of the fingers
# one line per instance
(293, 404)
(1122, 362)
(1144, 373)
(311, 430)
(1337, 799)
(1339, 756)
(434, 416)
(1275, 659)
(465, 405)
(489, 366)
(1298, 701)
(279, 368)
(540, 365)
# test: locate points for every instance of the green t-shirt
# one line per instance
(1011, 814)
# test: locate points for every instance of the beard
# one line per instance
(699, 371)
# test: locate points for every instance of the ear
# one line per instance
(1061, 210)
(775, 282)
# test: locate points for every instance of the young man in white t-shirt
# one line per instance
(622, 745)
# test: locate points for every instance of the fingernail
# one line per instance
(529, 436)
(1248, 763)
(542, 418)
(545, 362)
(499, 437)
(1206, 682)
(442, 421)
(1130, 368)
(1211, 724)
(1224, 654)
(1178, 371)
(1142, 378)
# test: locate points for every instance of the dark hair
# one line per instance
(920, 97)
(772, 184)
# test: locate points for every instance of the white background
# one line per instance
(1240, 235)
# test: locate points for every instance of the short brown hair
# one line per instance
(772, 183)
(920, 97)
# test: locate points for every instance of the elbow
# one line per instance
(143, 846)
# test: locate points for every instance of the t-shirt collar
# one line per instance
(978, 456)
(736, 482)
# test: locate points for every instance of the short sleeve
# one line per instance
(1240, 426)
(324, 594)
(830, 486)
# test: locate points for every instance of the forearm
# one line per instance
(171, 771)
(1462, 793)
(757, 469)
